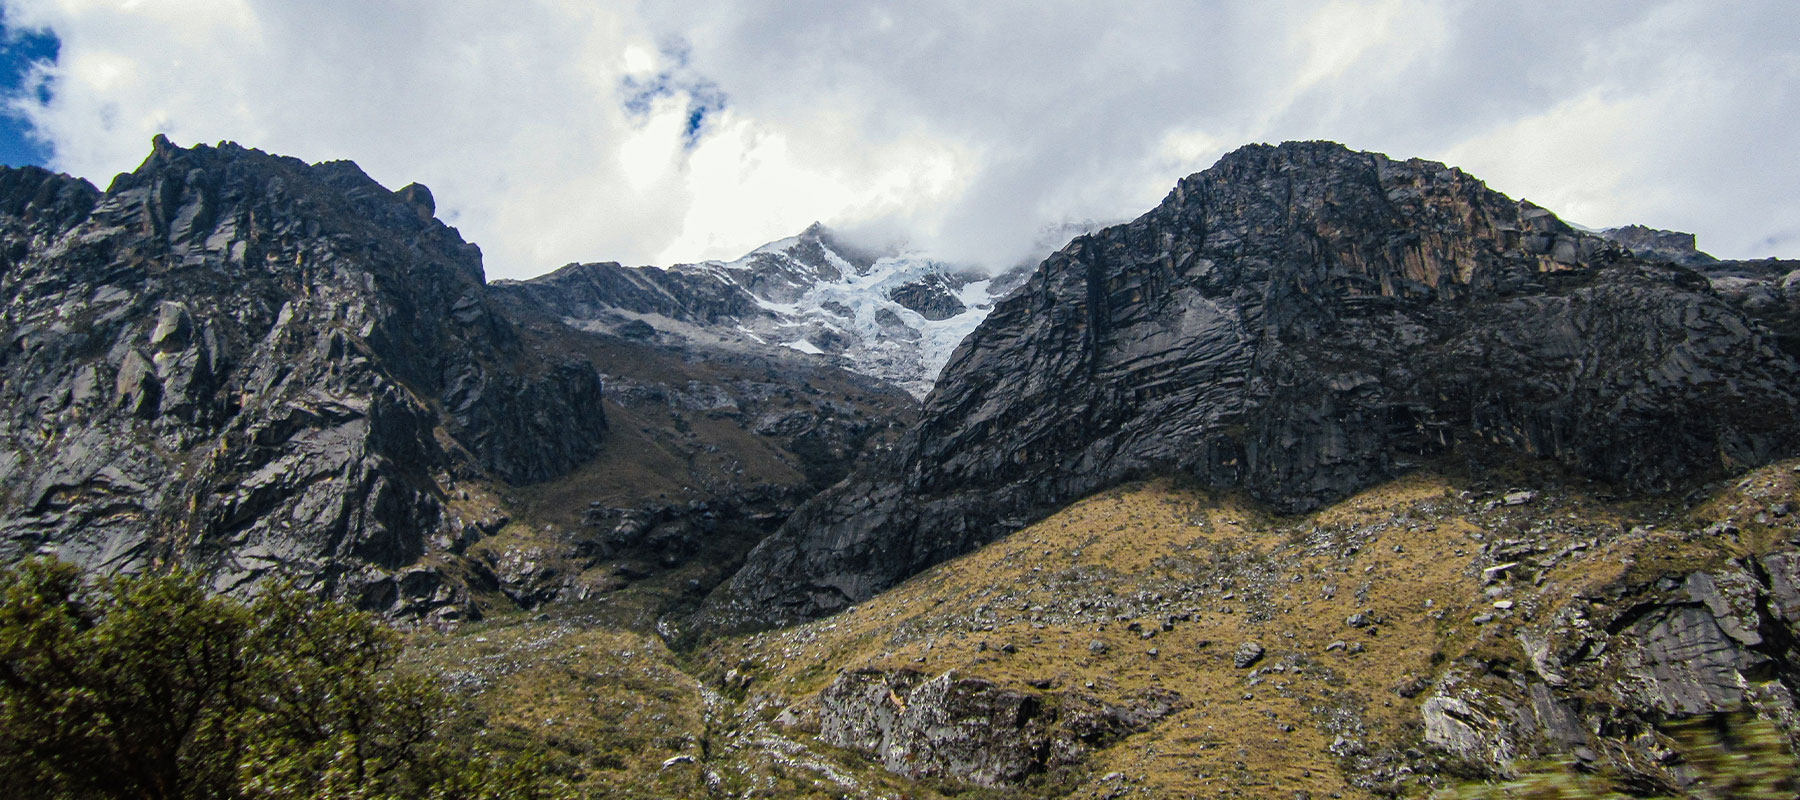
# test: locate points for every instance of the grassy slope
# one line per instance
(1199, 573)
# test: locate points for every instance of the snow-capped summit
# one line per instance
(892, 315)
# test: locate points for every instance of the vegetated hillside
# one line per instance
(1300, 321)
(259, 368)
(1402, 487)
(1526, 628)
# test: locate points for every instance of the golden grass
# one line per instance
(1213, 568)
(1406, 554)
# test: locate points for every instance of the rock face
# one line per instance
(892, 316)
(250, 365)
(1628, 665)
(1300, 321)
(1651, 244)
(971, 729)
(1767, 290)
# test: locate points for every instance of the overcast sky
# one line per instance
(553, 131)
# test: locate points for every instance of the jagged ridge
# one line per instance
(895, 315)
(254, 366)
(1301, 321)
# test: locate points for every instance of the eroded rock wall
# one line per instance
(252, 366)
(1301, 321)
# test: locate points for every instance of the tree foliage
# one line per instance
(147, 687)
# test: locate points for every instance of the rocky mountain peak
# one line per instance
(251, 365)
(891, 315)
(1299, 321)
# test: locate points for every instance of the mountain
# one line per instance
(1301, 322)
(254, 367)
(1331, 475)
(895, 315)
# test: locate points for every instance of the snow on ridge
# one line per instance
(779, 246)
(877, 336)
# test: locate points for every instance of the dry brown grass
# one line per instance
(1407, 554)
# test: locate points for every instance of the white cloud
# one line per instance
(559, 130)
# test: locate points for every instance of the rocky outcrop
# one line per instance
(1300, 321)
(1767, 290)
(1612, 677)
(1651, 244)
(593, 291)
(252, 366)
(932, 296)
(974, 730)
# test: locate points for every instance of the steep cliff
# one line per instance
(253, 366)
(1301, 321)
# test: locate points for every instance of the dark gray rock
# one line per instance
(600, 291)
(933, 297)
(1651, 244)
(1301, 321)
(1616, 668)
(1246, 655)
(252, 366)
(974, 730)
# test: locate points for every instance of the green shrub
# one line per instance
(147, 687)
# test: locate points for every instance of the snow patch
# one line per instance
(807, 271)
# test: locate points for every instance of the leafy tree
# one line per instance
(147, 687)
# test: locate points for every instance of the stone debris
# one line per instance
(1246, 655)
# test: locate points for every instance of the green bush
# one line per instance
(147, 687)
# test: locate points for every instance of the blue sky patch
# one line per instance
(20, 52)
(678, 80)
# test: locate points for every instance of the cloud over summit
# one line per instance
(553, 130)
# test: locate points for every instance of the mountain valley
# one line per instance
(1333, 475)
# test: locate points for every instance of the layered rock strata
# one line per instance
(252, 366)
(1300, 321)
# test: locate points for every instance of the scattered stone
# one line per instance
(1247, 654)
(737, 679)
(1518, 498)
(1722, 528)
